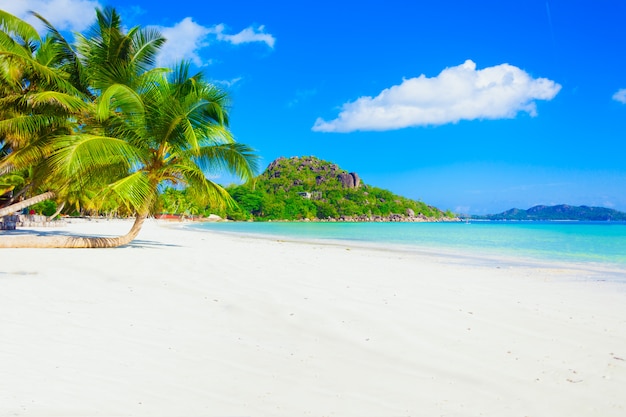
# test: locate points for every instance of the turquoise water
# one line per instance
(600, 242)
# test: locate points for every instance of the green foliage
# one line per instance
(310, 188)
(47, 208)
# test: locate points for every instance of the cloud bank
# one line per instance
(457, 93)
(69, 15)
(620, 96)
(186, 38)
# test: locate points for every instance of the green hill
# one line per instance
(559, 212)
(300, 188)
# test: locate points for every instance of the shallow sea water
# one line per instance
(584, 242)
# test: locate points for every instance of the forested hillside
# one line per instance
(301, 188)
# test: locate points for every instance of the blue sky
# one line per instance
(476, 107)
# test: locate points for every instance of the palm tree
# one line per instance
(48, 86)
(141, 129)
(37, 103)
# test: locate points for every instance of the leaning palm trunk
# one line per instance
(60, 241)
(19, 194)
(56, 213)
(26, 203)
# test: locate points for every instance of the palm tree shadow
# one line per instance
(137, 243)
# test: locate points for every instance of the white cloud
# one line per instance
(248, 35)
(66, 15)
(187, 38)
(184, 40)
(620, 96)
(457, 93)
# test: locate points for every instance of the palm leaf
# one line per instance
(80, 154)
(12, 24)
(146, 44)
(236, 158)
(119, 97)
(29, 125)
(52, 77)
(205, 190)
(135, 190)
(68, 102)
(66, 55)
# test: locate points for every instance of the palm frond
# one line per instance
(119, 97)
(134, 189)
(80, 154)
(51, 77)
(155, 76)
(66, 55)
(68, 102)
(207, 191)
(235, 158)
(15, 25)
(146, 44)
(29, 125)
(26, 156)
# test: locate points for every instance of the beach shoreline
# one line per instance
(186, 322)
(612, 272)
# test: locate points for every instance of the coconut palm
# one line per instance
(173, 131)
(37, 103)
(141, 129)
(108, 55)
(49, 85)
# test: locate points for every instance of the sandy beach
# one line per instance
(186, 323)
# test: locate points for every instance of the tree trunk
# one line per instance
(64, 241)
(19, 194)
(56, 213)
(26, 203)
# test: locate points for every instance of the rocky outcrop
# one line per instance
(275, 163)
(350, 180)
(323, 172)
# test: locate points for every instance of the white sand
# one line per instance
(186, 323)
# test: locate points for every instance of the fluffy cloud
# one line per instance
(457, 93)
(184, 40)
(620, 96)
(187, 38)
(70, 15)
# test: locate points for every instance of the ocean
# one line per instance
(586, 242)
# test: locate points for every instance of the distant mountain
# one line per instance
(559, 212)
